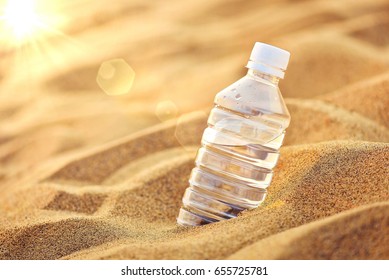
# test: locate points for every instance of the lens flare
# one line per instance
(166, 110)
(115, 77)
(189, 129)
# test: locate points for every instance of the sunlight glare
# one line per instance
(28, 21)
(20, 16)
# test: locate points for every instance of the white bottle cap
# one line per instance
(269, 59)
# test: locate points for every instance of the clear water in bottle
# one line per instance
(240, 146)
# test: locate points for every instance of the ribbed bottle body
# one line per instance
(239, 149)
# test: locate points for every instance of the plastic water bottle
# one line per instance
(240, 146)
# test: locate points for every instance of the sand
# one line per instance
(84, 175)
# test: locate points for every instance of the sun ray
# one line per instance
(31, 39)
(21, 17)
(26, 21)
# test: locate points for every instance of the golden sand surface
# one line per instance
(84, 175)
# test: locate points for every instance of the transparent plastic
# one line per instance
(240, 147)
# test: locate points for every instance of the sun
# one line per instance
(20, 16)
(25, 21)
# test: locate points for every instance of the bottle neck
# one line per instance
(258, 75)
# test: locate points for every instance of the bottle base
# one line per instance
(187, 218)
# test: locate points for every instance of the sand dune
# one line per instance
(369, 98)
(365, 226)
(87, 176)
(312, 182)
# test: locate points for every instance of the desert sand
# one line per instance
(84, 175)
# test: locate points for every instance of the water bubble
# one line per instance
(238, 96)
(233, 90)
(115, 77)
(166, 110)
